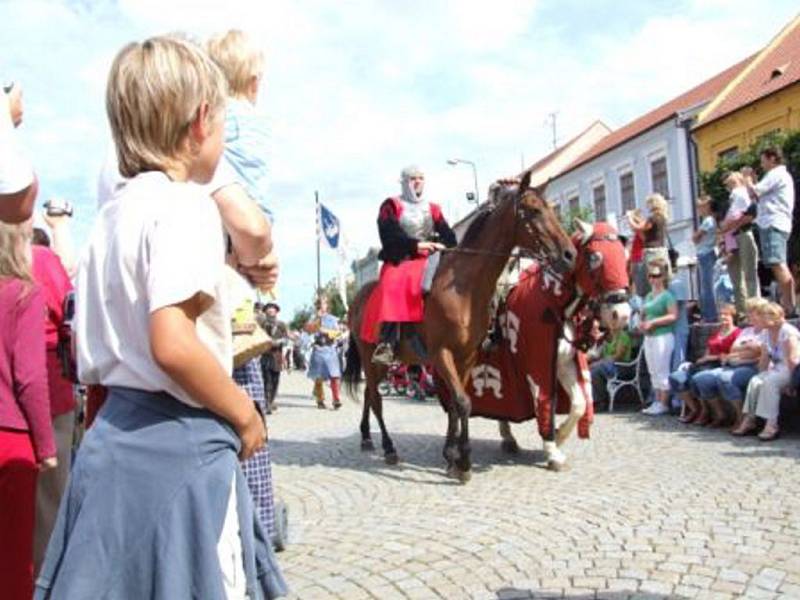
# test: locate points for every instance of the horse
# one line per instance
(457, 311)
(545, 322)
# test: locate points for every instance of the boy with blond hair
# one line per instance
(157, 506)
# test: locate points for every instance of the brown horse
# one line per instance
(457, 310)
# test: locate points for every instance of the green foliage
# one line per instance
(567, 218)
(301, 316)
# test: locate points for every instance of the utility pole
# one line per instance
(551, 119)
(319, 233)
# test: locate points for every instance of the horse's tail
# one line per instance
(352, 368)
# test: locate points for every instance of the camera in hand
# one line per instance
(58, 207)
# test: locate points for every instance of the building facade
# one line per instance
(763, 99)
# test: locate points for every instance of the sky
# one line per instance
(355, 90)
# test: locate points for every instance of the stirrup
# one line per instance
(383, 355)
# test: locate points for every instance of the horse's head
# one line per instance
(535, 225)
(601, 269)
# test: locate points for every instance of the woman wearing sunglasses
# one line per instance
(658, 324)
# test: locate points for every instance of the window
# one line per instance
(599, 198)
(627, 191)
(659, 178)
(728, 153)
(574, 204)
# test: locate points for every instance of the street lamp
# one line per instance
(455, 161)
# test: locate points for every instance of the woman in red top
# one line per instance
(26, 434)
(700, 411)
(50, 274)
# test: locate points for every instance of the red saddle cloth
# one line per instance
(514, 383)
(396, 299)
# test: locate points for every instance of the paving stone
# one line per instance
(621, 523)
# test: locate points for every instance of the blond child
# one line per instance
(157, 506)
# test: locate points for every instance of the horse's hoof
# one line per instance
(367, 446)
(556, 466)
(509, 447)
(391, 458)
(461, 476)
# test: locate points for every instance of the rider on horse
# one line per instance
(412, 230)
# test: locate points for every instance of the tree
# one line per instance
(301, 316)
(584, 213)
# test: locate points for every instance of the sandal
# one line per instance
(769, 433)
(688, 418)
(746, 427)
(702, 420)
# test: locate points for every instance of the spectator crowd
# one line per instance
(744, 355)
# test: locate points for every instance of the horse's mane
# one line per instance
(475, 228)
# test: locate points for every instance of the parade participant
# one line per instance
(775, 197)
(27, 444)
(272, 361)
(324, 363)
(411, 229)
(658, 324)
(18, 183)
(153, 326)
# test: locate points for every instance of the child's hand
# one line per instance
(264, 275)
(253, 435)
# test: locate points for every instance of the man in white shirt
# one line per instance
(775, 197)
(18, 184)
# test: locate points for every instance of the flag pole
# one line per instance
(319, 280)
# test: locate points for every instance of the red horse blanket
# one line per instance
(514, 382)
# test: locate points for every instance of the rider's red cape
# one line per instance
(398, 296)
(514, 382)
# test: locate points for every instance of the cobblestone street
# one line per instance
(649, 509)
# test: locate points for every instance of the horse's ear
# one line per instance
(526, 181)
(584, 229)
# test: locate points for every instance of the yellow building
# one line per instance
(764, 98)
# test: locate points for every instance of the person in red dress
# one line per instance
(412, 230)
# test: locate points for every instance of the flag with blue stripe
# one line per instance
(329, 224)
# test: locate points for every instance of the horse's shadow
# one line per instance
(421, 458)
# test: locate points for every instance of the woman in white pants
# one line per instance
(660, 312)
(778, 359)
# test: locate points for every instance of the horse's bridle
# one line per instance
(522, 217)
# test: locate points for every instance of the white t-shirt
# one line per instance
(16, 171)
(775, 199)
(156, 243)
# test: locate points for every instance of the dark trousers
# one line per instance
(271, 381)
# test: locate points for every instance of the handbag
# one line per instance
(672, 252)
(249, 339)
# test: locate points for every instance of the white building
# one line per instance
(653, 153)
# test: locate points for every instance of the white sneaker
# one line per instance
(656, 409)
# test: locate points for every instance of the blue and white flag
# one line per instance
(329, 224)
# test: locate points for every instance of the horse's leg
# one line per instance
(389, 452)
(366, 438)
(458, 416)
(449, 451)
(568, 379)
(509, 444)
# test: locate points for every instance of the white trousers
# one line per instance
(658, 354)
(764, 393)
